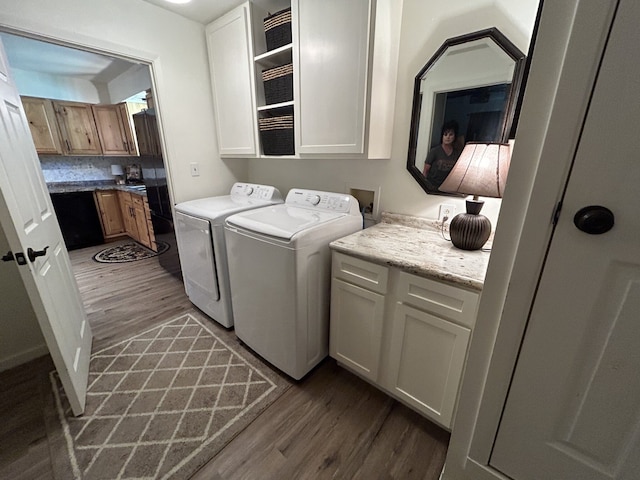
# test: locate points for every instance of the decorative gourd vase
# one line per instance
(470, 231)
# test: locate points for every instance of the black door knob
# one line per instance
(594, 219)
(33, 254)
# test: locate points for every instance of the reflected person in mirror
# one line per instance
(441, 159)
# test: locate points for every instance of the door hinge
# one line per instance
(556, 214)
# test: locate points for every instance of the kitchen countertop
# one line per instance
(415, 245)
(90, 186)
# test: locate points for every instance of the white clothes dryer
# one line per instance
(280, 272)
(199, 226)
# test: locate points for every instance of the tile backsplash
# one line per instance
(78, 169)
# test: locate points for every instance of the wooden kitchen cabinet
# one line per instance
(77, 128)
(406, 334)
(136, 217)
(43, 125)
(108, 204)
(146, 127)
(114, 129)
(126, 208)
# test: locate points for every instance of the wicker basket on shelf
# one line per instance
(277, 29)
(276, 135)
(278, 84)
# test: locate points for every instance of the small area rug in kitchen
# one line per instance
(159, 405)
(128, 252)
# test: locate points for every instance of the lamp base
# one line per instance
(470, 231)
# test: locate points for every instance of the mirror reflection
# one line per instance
(465, 93)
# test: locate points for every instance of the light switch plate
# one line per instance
(195, 169)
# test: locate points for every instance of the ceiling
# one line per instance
(205, 11)
(41, 57)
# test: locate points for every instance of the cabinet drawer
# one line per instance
(448, 302)
(359, 272)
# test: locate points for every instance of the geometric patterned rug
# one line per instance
(160, 405)
(129, 252)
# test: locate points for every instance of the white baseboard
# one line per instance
(23, 357)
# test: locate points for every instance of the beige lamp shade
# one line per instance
(481, 170)
(117, 170)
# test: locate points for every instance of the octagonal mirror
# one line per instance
(466, 92)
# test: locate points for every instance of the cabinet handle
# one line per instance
(68, 144)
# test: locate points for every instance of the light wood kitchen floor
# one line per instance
(337, 426)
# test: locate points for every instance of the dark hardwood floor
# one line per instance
(329, 425)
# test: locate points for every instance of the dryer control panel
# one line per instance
(329, 201)
(252, 190)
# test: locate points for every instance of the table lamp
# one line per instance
(118, 172)
(481, 170)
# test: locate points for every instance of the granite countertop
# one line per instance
(90, 186)
(416, 245)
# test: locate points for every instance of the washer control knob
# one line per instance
(248, 190)
(314, 199)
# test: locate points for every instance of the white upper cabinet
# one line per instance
(332, 62)
(344, 62)
(230, 46)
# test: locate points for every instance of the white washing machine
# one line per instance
(280, 272)
(199, 226)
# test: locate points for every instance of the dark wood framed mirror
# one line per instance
(466, 92)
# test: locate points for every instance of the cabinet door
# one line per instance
(112, 129)
(128, 219)
(426, 360)
(141, 225)
(110, 213)
(230, 46)
(129, 137)
(330, 81)
(356, 327)
(43, 125)
(77, 128)
(147, 134)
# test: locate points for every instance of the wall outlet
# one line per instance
(195, 169)
(446, 210)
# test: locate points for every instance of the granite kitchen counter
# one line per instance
(90, 186)
(415, 245)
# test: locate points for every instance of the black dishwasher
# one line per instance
(78, 219)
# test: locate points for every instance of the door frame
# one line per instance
(570, 41)
(100, 47)
(56, 36)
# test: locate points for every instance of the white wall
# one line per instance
(176, 46)
(426, 24)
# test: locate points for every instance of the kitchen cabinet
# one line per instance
(146, 127)
(114, 129)
(43, 125)
(136, 217)
(406, 334)
(77, 128)
(108, 205)
(333, 54)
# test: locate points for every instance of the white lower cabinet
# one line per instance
(406, 334)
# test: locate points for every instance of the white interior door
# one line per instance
(28, 219)
(573, 410)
